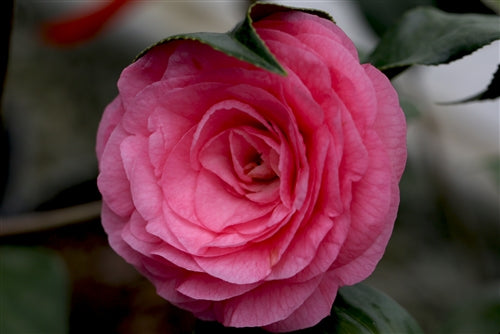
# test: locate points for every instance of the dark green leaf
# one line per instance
(383, 14)
(33, 292)
(243, 42)
(226, 43)
(361, 309)
(427, 36)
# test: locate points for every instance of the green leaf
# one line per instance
(428, 36)
(383, 14)
(362, 309)
(243, 42)
(33, 292)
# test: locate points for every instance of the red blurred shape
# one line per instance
(80, 27)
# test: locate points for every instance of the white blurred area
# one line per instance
(459, 140)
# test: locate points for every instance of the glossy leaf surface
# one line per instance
(428, 36)
(243, 42)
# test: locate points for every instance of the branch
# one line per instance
(44, 220)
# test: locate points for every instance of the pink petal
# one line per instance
(167, 128)
(216, 156)
(305, 64)
(328, 249)
(227, 154)
(146, 193)
(361, 267)
(300, 23)
(227, 114)
(165, 103)
(353, 87)
(312, 311)
(328, 201)
(270, 302)
(247, 266)
(354, 155)
(136, 234)
(371, 213)
(251, 231)
(335, 51)
(143, 72)
(166, 277)
(111, 117)
(181, 233)
(203, 286)
(113, 225)
(112, 180)
(244, 142)
(303, 248)
(253, 263)
(390, 123)
(218, 209)
(179, 179)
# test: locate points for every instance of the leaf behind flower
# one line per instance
(381, 15)
(363, 309)
(428, 36)
(243, 42)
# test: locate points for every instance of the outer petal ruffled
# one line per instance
(303, 249)
(111, 117)
(249, 310)
(313, 310)
(390, 123)
(146, 194)
(298, 23)
(144, 72)
(112, 180)
(113, 225)
(203, 286)
(363, 265)
(371, 213)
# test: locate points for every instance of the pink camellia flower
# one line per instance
(249, 197)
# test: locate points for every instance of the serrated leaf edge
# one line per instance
(272, 63)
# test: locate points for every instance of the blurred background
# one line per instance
(442, 263)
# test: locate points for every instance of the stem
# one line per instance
(44, 220)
